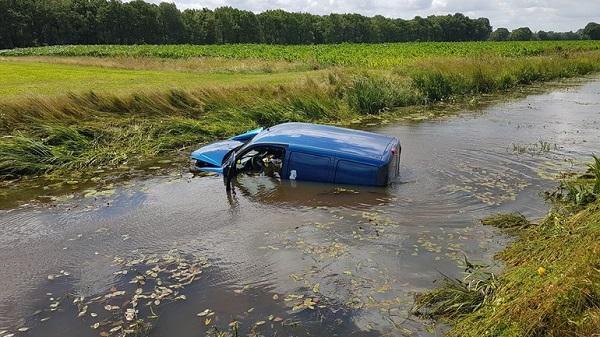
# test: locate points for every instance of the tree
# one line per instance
(47, 22)
(113, 23)
(172, 27)
(592, 31)
(500, 34)
(236, 26)
(199, 26)
(521, 34)
(143, 25)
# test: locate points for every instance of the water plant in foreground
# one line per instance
(580, 190)
(506, 221)
(455, 297)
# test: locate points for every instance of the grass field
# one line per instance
(76, 108)
(24, 77)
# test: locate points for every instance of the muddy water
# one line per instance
(290, 259)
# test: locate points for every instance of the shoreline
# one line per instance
(550, 282)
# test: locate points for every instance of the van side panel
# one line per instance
(352, 173)
(309, 167)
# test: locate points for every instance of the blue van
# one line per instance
(309, 152)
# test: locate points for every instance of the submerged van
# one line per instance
(303, 151)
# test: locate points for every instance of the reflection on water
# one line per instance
(291, 258)
(286, 193)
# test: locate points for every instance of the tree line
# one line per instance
(50, 22)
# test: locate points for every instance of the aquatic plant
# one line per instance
(579, 190)
(506, 221)
(455, 297)
(538, 148)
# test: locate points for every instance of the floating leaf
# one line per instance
(130, 314)
(203, 313)
(115, 329)
(83, 311)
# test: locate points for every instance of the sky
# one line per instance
(556, 15)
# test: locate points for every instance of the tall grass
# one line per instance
(438, 80)
(594, 169)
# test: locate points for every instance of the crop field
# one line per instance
(369, 55)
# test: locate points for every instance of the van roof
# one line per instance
(354, 144)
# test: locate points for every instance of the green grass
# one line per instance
(23, 78)
(370, 55)
(550, 285)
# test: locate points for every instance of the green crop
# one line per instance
(371, 55)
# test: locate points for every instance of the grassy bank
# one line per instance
(551, 283)
(91, 129)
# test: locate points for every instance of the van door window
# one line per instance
(262, 160)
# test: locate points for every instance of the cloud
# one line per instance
(557, 15)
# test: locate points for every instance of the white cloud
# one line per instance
(558, 15)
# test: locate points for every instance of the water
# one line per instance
(291, 259)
